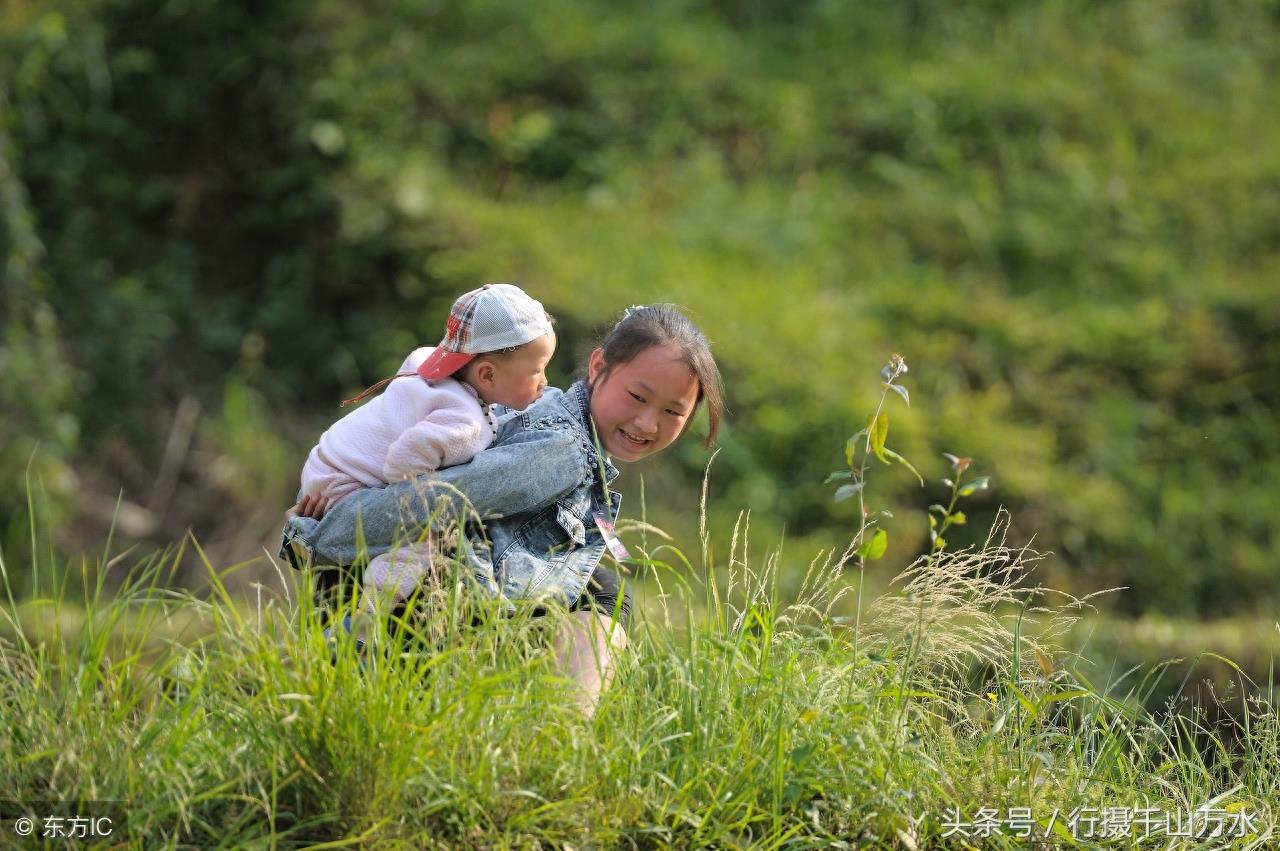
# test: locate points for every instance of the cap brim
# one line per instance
(443, 363)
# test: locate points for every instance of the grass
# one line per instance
(740, 719)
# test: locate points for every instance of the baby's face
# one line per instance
(519, 379)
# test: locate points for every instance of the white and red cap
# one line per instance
(492, 318)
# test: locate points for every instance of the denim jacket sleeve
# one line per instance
(526, 471)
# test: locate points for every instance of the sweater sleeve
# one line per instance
(451, 434)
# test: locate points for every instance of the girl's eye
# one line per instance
(637, 398)
(674, 413)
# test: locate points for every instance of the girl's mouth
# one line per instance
(633, 439)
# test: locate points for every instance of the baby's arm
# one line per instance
(453, 433)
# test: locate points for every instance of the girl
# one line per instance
(541, 489)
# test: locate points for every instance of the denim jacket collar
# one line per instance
(579, 403)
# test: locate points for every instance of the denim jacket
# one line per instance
(530, 499)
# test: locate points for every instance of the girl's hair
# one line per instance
(644, 326)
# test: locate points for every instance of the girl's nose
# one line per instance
(647, 420)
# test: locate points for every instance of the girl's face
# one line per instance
(642, 406)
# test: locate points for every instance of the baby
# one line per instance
(434, 413)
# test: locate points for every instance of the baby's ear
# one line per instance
(484, 372)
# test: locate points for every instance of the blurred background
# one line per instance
(219, 219)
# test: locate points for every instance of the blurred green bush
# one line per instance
(1065, 214)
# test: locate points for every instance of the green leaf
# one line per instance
(851, 446)
(939, 543)
(1064, 695)
(904, 462)
(1024, 700)
(878, 429)
(999, 725)
(874, 548)
(845, 491)
(978, 484)
(879, 543)
(959, 519)
(838, 474)
(802, 753)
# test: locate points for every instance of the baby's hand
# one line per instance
(313, 505)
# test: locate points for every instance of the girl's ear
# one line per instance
(595, 366)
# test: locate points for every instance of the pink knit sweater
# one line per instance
(413, 427)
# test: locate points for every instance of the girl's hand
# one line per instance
(313, 505)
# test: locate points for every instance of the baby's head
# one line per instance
(499, 341)
(515, 376)
(647, 379)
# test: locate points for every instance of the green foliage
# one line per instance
(251, 464)
(1065, 211)
(873, 548)
(858, 450)
(946, 515)
(187, 218)
(37, 434)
